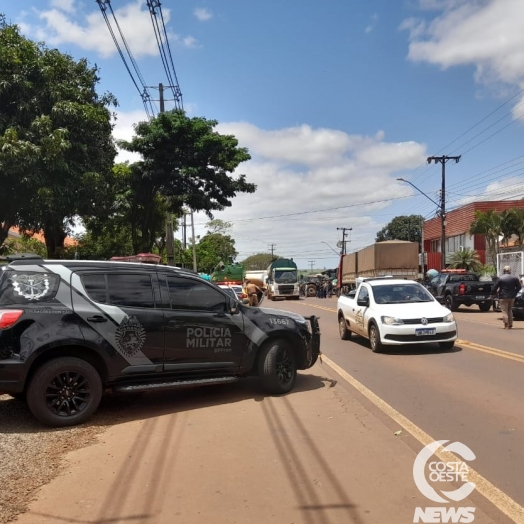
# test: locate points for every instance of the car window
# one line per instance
(188, 294)
(26, 287)
(124, 289)
(401, 293)
(229, 291)
(363, 293)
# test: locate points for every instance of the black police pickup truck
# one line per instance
(71, 329)
(454, 289)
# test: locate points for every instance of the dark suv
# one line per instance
(71, 329)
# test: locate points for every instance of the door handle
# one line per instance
(97, 318)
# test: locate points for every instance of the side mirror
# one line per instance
(363, 302)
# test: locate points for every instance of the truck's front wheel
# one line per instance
(277, 368)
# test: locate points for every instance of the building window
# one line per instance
(435, 246)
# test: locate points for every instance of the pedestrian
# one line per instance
(506, 287)
(252, 292)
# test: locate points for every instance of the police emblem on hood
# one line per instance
(130, 336)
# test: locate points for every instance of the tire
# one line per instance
(447, 345)
(343, 331)
(450, 303)
(311, 291)
(277, 368)
(67, 406)
(486, 306)
(374, 339)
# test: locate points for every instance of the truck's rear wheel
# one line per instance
(311, 291)
(450, 303)
(64, 392)
(277, 368)
(486, 306)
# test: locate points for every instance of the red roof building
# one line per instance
(458, 222)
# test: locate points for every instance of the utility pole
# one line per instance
(170, 241)
(344, 235)
(272, 247)
(442, 160)
(311, 262)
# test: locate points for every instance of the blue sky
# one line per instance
(335, 100)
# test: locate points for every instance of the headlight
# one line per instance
(449, 318)
(392, 321)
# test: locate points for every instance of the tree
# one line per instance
(219, 226)
(402, 228)
(519, 224)
(259, 261)
(467, 259)
(24, 244)
(214, 248)
(188, 163)
(508, 225)
(488, 224)
(56, 130)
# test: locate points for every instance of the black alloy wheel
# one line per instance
(64, 392)
(67, 394)
(277, 367)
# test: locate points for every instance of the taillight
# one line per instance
(462, 289)
(9, 316)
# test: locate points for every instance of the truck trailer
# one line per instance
(396, 258)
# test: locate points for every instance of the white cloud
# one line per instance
(487, 35)
(64, 5)
(302, 169)
(372, 24)
(61, 25)
(203, 14)
(124, 130)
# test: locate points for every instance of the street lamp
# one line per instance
(334, 251)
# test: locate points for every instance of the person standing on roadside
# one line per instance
(507, 286)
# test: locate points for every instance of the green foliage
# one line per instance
(214, 248)
(24, 244)
(488, 224)
(487, 270)
(259, 261)
(402, 228)
(56, 147)
(188, 163)
(467, 259)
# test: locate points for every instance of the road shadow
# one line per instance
(415, 349)
(117, 408)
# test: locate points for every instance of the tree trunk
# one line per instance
(54, 241)
(4, 231)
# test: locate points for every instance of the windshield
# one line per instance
(401, 293)
(283, 276)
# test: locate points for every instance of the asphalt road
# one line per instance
(473, 394)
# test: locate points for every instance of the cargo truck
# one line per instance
(228, 274)
(396, 258)
(282, 279)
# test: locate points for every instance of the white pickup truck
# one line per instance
(395, 312)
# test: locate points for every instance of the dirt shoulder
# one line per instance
(228, 454)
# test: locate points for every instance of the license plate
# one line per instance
(480, 297)
(425, 331)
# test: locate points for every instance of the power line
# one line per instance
(144, 93)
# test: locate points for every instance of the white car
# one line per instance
(395, 312)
